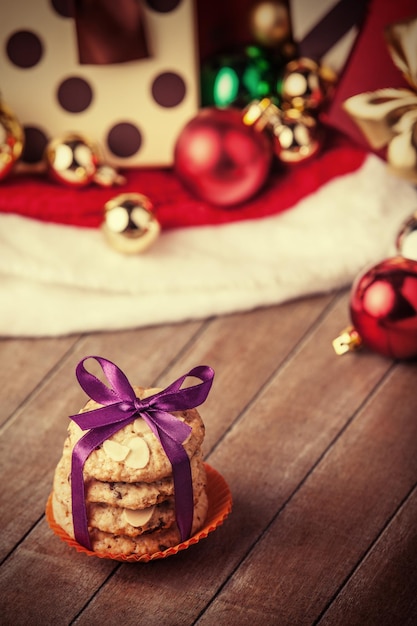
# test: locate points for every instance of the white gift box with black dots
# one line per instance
(132, 106)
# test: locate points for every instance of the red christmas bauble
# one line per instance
(221, 159)
(383, 308)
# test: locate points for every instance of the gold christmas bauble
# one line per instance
(72, 160)
(297, 136)
(130, 225)
(270, 23)
(306, 85)
(12, 140)
(75, 161)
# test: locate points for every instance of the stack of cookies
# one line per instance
(129, 488)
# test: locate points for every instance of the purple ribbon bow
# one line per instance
(120, 407)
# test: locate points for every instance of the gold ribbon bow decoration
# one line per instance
(388, 117)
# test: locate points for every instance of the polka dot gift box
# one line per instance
(123, 74)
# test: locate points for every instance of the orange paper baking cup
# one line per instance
(219, 507)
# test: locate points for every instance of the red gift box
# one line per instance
(370, 66)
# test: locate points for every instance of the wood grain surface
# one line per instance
(319, 451)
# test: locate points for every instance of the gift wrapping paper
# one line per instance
(134, 109)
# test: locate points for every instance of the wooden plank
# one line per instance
(43, 583)
(382, 591)
(265, 456)
(327, 527)
(24, 363)
(245, 351)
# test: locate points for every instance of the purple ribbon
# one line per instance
(120, 407)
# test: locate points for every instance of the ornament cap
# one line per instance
(349, 340)
(107, 176)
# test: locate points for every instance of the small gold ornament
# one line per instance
(306, 85)
(261, 114)
(270, 23)
(75, 161)
(406, 241)
(130, 225)
(12, 140)
(297, 136)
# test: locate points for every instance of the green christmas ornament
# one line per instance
(237, 79)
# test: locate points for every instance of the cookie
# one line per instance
(125, 495)
(115, 522)
(134, 453)
(148, 543)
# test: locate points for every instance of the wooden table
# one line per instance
(320, 453)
